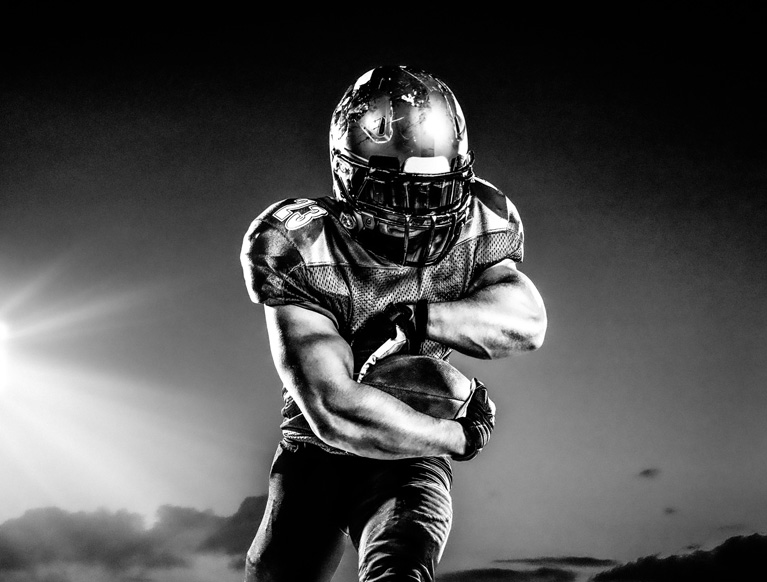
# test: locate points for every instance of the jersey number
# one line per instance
(299, 213)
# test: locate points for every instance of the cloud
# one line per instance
(49, 535)
(650, 473)
(503, 575)
(738, 559)
(733, 527)
(203, 568)
(235, 534)
(183, 529)
(51, 539)
(562, 561)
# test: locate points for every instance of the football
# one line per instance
(429, 385)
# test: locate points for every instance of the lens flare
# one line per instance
(83, 422)
(71, 429)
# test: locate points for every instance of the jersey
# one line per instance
(298, 252)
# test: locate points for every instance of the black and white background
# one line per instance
(139, 408)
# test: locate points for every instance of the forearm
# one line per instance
(506, 315)
(368, 422)
(316, 365)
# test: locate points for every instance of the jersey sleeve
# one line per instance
(274, 270)
(496, 225)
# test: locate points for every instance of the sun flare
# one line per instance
(74, 432)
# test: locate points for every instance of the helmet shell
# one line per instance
(404, 114)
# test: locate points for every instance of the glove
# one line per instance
(410, 318)
(478, 422)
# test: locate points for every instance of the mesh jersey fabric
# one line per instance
(297, 252)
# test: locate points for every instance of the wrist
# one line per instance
(421, 316)
(420, 321)
(469, 448)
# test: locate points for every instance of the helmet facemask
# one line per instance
(408, 218)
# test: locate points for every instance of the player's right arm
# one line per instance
(315, 365)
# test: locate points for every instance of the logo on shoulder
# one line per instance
(299, 213)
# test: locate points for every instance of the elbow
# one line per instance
(535, 331)
(534, 339)
(532, 331)
(327, 419)
(336, 433)
(342, 426)
(523, 331)
(515, 341)
(332, 433)
(530, 344)
(325, 425)
(332, 437)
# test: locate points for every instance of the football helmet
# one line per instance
(400, 160)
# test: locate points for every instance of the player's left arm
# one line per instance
(502, 314)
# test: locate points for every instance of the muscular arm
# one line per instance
(315, 364)
(502, 314)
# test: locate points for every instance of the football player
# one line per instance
(410, 240)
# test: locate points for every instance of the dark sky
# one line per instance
(130, 168)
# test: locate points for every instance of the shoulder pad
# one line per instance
(494, 212)
(496, 201)
(491, 197)
(277, 243)
(300, 220)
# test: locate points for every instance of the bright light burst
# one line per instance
(80, 430)
(72, 433)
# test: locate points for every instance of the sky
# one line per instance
(138, 401)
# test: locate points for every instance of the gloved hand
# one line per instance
(478, 422)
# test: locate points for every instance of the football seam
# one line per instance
(385, 387)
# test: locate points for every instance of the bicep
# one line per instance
(503, 272)
(310, 356)
(503, 285)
